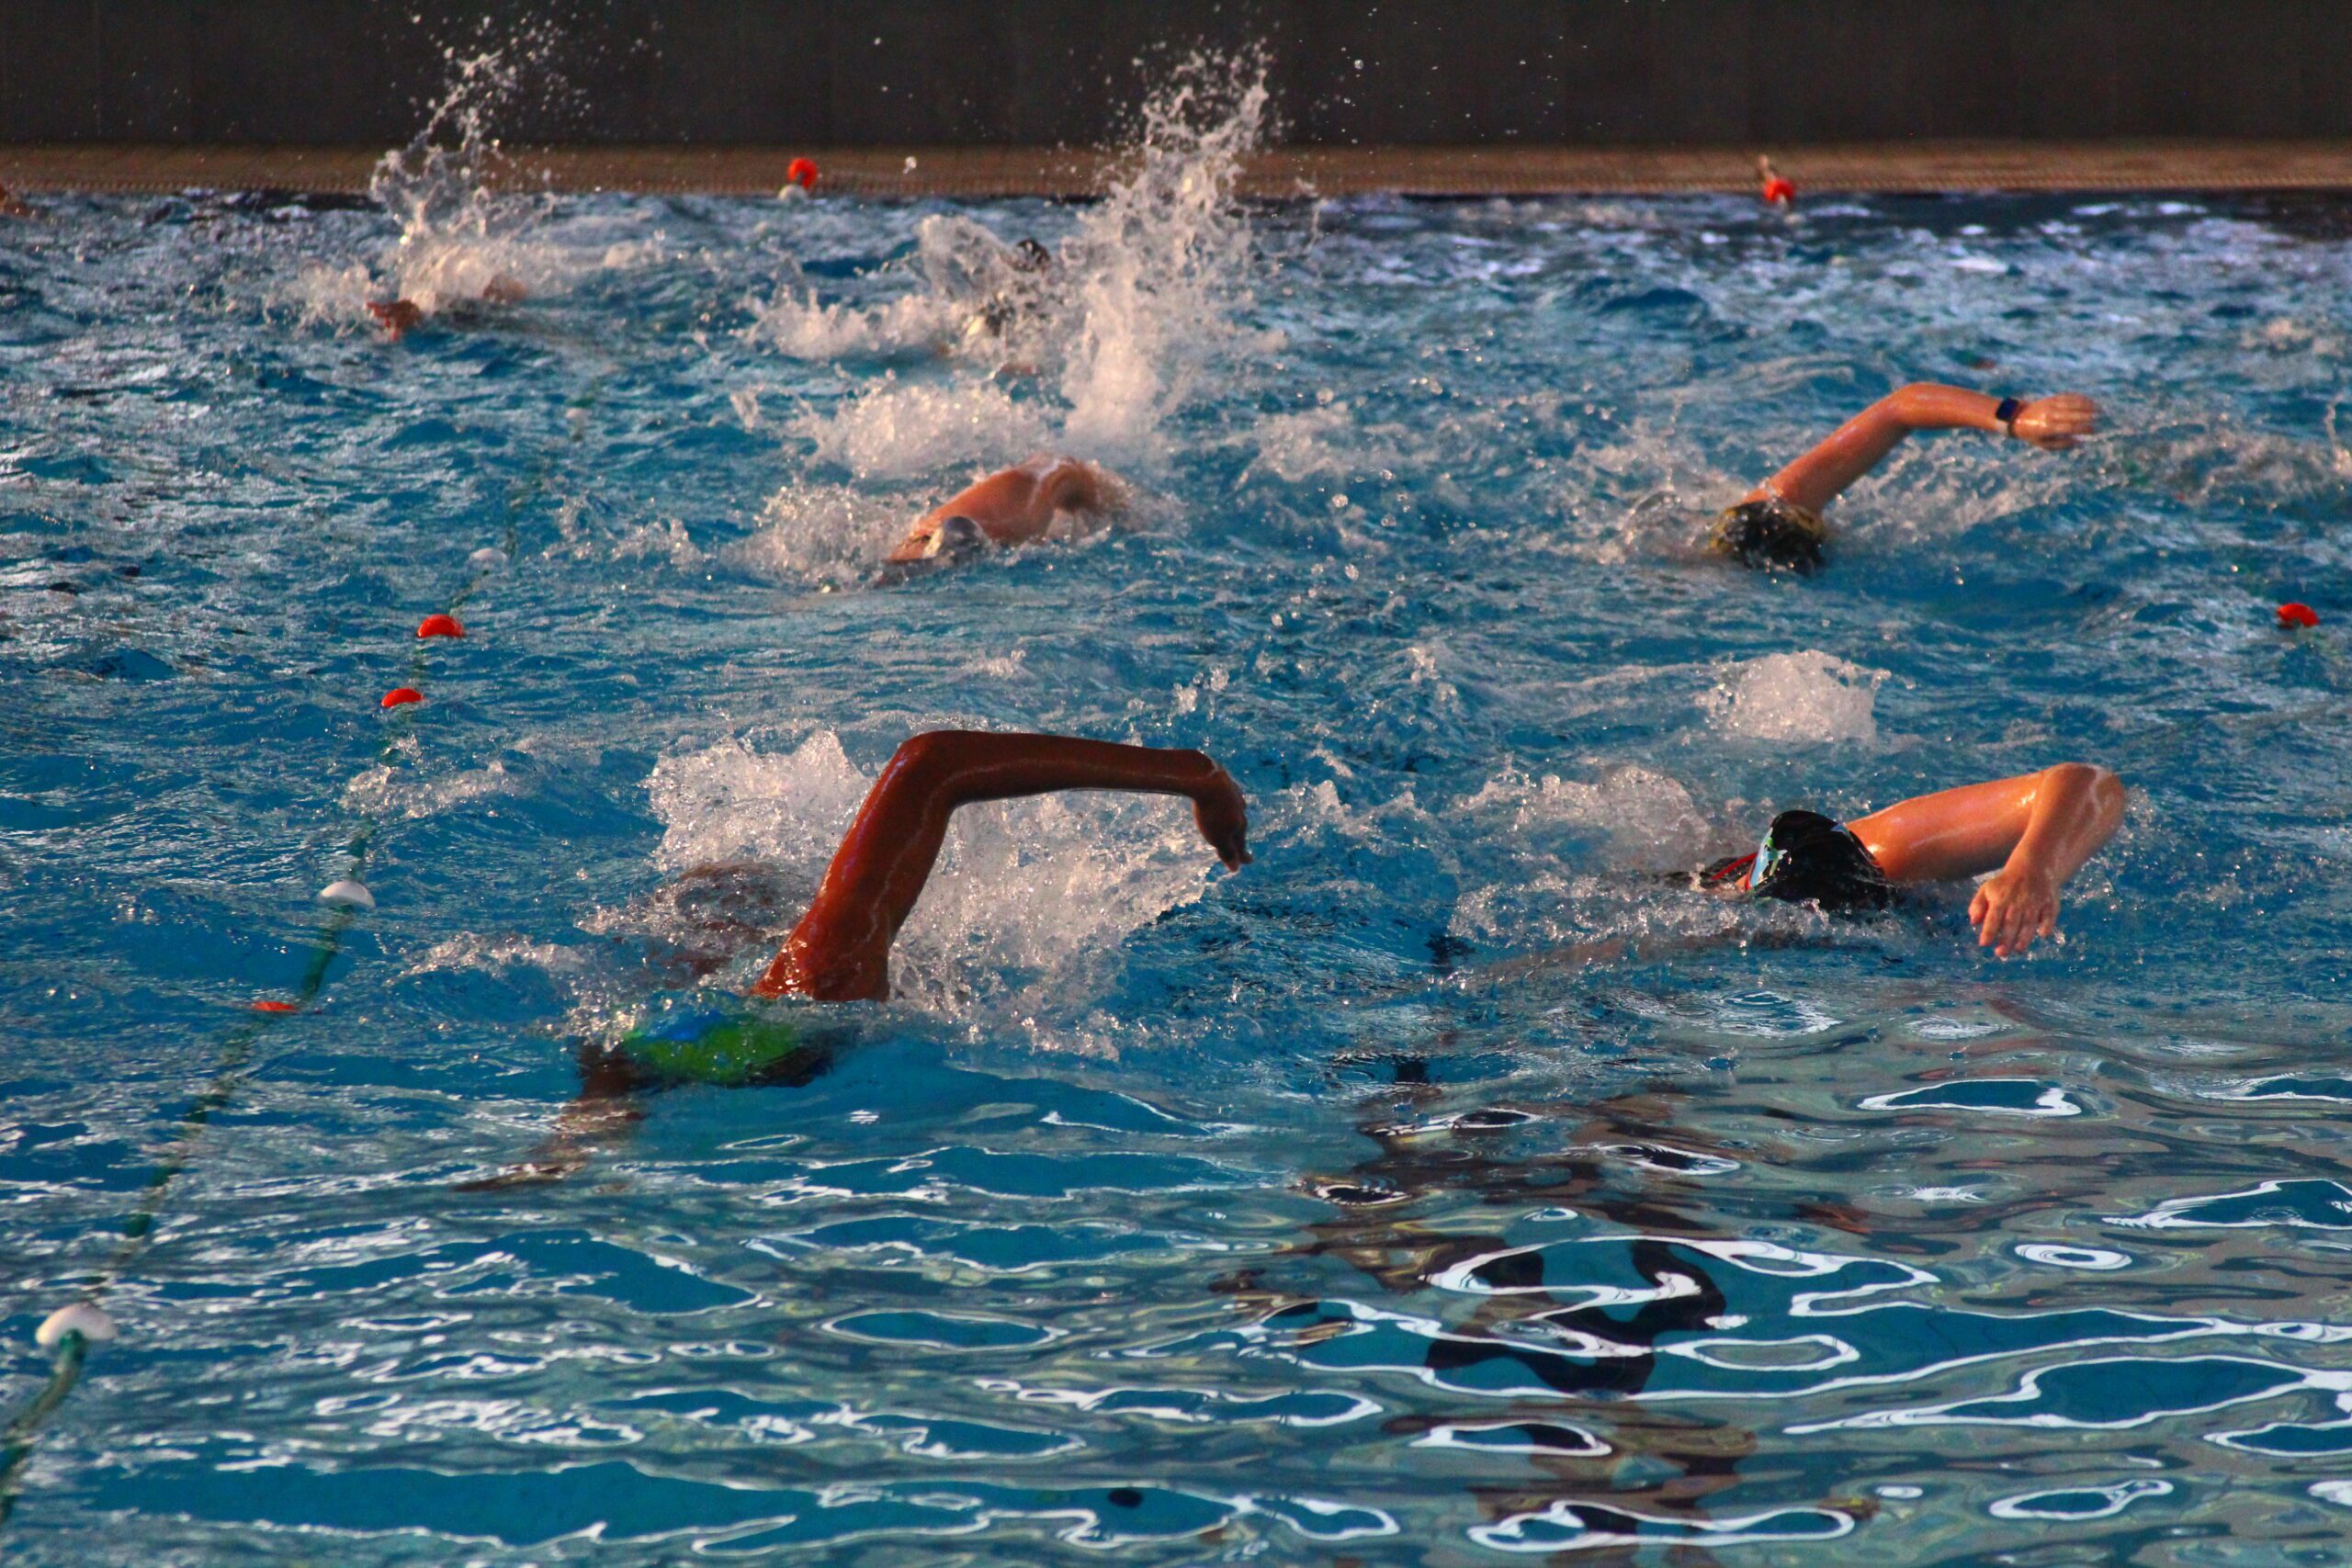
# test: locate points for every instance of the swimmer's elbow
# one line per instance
(930, 752)
(1912, 405)
(2099, 785)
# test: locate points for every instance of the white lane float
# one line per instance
(83, 1318)
(346, 895)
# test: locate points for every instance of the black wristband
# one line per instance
(2007, 414)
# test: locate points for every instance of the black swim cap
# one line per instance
(957, 536)
(1770, 534)
(1808, 859)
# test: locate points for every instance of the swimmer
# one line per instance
(2033, 832)
(400, 317)
(840, 951)
(1012, 508)
(1779, 523)
(1019, 297)
(10, 207)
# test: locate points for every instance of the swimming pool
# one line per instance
(1198, 1216)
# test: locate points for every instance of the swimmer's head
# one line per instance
(1805, 858)
(1771, 534)
(1031, 257)
(955, 537)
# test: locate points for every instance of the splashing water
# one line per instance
(896, 431)
(1135, 312)
(462, 242)
(1807, 695)
(1165, 262)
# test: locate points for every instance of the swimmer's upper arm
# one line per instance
(1975, 829)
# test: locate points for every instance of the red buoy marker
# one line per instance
(439, 626)
(2295, 617)
(802, 172)
(401, 695)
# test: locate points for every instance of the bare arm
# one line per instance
(841, 949)
(2036, 830)
(1815, 479)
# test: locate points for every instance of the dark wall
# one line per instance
(846, 72)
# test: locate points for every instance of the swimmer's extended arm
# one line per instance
(841, 949)
(2035, 832)
(1815, 479)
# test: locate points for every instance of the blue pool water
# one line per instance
(1203, 1217)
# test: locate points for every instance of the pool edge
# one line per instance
(1273, 175)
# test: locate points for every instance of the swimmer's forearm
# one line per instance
(957, 767)
(2076, 810)
(1926, 405)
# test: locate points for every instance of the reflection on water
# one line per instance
(1198, 1218)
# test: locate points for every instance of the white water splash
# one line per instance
(397, 792)
(463, 243)
(798, 324)
(1136, 310)
(895, 431)
(1807, 695)
(1029, 894)
(831, 535)
(1648, 816)
(1163, 262)
(459, 241)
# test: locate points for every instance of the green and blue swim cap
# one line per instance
(725, 1046)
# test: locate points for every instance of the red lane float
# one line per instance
(802, 172)
(439, 626)
(2295, 617)
(400, 697)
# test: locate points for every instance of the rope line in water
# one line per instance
(73, 1330)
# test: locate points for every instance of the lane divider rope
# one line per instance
(69, 1333)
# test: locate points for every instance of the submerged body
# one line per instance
(1013, 506)
(401, 317)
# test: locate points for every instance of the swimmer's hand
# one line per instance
(2056, 423)
(2016, 904)
(1224, 818)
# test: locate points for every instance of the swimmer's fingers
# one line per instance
(2017, 930)
(1992, 911)
(2056, 424)
(2010, 914)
